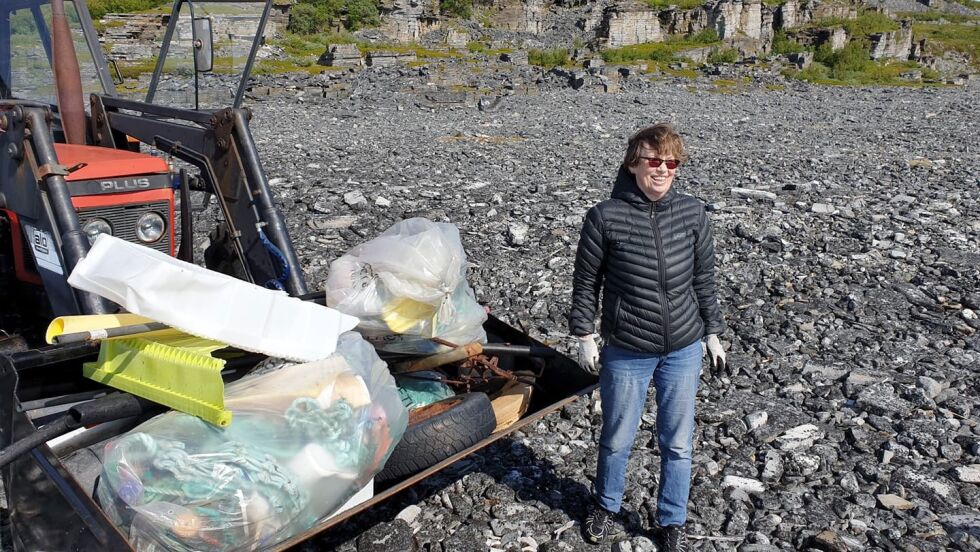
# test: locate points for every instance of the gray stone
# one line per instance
(753, 194)
(755, 420)
(968, 474)
(880, 399)
(894, 502)
(745, 484)
(932, 387)
(517, 233)
(383, 537)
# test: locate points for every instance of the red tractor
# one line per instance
(67, 175)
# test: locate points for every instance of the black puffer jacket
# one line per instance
(656, 263)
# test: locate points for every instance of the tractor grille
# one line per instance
(123, 220)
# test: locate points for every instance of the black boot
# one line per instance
(674, 539)
(598, 524)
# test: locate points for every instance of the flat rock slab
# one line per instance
(894, 502)
(746, 484)
(799, 437)
(968, 523)
(880, 399)
(968, 474)
(938, 490)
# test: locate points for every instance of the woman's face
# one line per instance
(654, 182)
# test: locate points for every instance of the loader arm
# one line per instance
(220, 144)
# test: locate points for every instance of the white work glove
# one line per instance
(711, 346)
(588, 354)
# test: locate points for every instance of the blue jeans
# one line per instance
(623, 384)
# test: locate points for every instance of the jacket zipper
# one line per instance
(663, 278)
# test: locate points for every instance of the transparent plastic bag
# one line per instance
(407, 286)
(304, 439)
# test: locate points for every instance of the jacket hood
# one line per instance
(626, 189)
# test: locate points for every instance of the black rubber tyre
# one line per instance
(445, 428)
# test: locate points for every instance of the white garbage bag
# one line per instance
(407, 286)
(303, 441)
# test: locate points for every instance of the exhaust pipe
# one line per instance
(67, 76)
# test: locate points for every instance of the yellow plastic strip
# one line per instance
(185, 378)
(402, 314)
(89, 322)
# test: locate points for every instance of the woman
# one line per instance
(650, 250)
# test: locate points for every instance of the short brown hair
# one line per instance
(661, 137)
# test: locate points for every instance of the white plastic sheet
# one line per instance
(208, 304)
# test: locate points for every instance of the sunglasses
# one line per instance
(655, 162)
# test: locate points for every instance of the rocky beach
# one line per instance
(847, 226)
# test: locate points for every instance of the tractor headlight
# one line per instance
(150, 227)
(95, 227)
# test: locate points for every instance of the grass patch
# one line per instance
(936, 16)
(685, 73)
(728, 55)
(680, 4)
(660, 51)
(281, 66)
(548, 58)
(968, 3)
(480, 47)
(940, 38)
(866, 23)
(775, 87)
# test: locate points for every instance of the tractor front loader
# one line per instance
(67, 176)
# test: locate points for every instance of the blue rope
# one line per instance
(280, 282)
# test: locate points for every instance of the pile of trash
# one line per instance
(304, 440)
(288, 446)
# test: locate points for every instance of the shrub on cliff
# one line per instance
(457, 8)
(315, 16)
(98, 8)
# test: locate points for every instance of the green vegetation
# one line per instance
(660, 51)
(972, 4)
(680, 4)
(782, 44)
(280, 66)
(935, 16)
(314, 45)
(866, 23)
(480, 47)
(456, 8)
(548, 58)
(852, 66)
(314, 16)
(961, 38)
(728, 55)
(98, 8)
